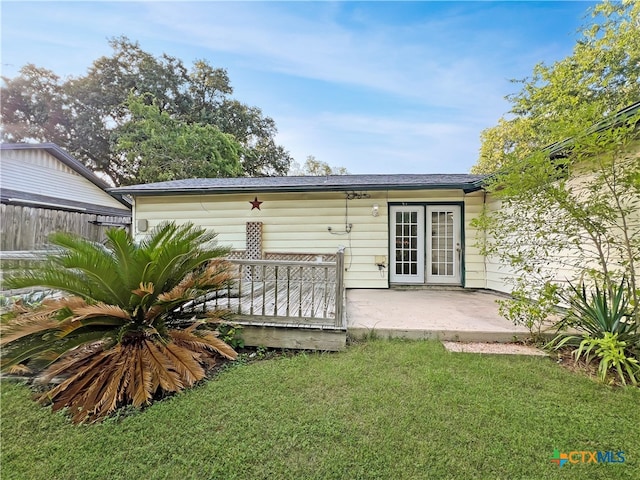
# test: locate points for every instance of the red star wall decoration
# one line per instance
(255, 203)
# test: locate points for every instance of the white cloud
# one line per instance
(397, 61)
(370, 144)
(397, 94)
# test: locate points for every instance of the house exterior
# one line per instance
(395, 229)
(404, 230)
(44, 189)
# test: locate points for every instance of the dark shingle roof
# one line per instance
(339, 183)
(15, 197)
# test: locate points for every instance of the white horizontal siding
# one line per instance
(560, 267)
(298, 223)
(38, 172)
(502, 277)
(499, 275)
(475, 270)
(292, 223)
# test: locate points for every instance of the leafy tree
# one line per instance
(207, 86)
(33, 107)
(156, 147)
(86, 114)
(599, 78)
(314, 167)
(256, 133)
(569, 213)
(117, 338)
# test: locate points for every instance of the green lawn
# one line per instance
(383, 410)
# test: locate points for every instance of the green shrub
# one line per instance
(612, 354)
(231, 334)
(124, 332)
(604, 310)
(610, 329)
(530, 310)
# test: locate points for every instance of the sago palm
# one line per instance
(121, 335)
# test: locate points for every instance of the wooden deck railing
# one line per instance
(287, 292)
(292, 293)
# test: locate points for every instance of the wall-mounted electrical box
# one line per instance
(381, 260)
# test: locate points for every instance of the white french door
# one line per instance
(407, 244)
(425, 244)
(444, 250)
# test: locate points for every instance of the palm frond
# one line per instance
(181, 293)
(19, 307)
(203, 342)
(100, 397)
(26, 327)
(217, 316)
(54, 304)
(83, 394)
(98, 324)
(163, 373)
(34, 348)
(52, 277)
(219, 273)
(186, 363)
(19, 369)
(180, 252)
(70, 362)
(67, 393)
(98, 381)
(220, 346)
(140, 383)
(144, 289)
(37, 334)
(100, 310)
(94, 263)
(158, 235)
(114, 392)
(187, 283)
(129, 258)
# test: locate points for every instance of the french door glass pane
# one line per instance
(406, 242)
(442, 243)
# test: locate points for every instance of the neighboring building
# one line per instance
(44, 189)
(396, 229)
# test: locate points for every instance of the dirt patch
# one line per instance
(494, 348)
(565, 358)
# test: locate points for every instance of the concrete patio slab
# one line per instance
(454, 315)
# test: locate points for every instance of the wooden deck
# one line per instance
(296, 293)
(280, 304)
(288, 304)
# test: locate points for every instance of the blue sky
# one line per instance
(376, 87)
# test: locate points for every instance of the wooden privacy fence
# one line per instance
(27, 228)
(287, 293)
